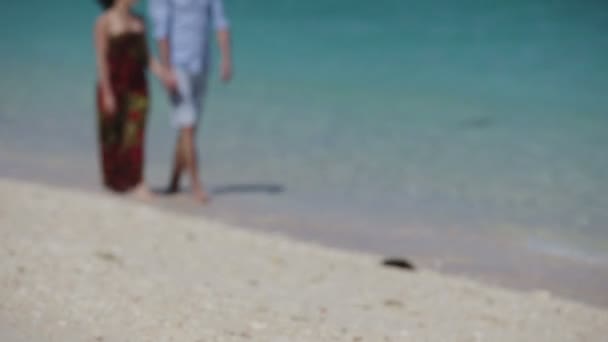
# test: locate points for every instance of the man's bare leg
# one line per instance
(178, 166)
(191, 163)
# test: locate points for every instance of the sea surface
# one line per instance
(478, 118)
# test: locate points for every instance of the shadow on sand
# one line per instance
(233, 189)
(269, 189)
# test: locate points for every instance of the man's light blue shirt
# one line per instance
(187, 24)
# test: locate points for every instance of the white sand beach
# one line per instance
(78, 266)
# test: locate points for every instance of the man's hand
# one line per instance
(226, 70)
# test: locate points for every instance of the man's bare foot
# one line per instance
(172, 189)
(201, 196)
(143, 193)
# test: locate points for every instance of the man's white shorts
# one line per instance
(188, 100)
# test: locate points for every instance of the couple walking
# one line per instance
(181, 29)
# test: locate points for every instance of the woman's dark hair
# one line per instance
(106, 3)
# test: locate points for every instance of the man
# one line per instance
(182, 29)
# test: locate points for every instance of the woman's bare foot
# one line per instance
(143, 193)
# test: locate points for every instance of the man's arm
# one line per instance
(223, 37)
(160, 14)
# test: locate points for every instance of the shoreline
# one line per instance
(504, 261)
(78, 266)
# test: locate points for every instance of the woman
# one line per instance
(122, 94)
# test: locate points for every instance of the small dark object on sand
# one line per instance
(399, 263)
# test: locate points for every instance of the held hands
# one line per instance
(169, 79)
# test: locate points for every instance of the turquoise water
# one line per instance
(468, 115)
